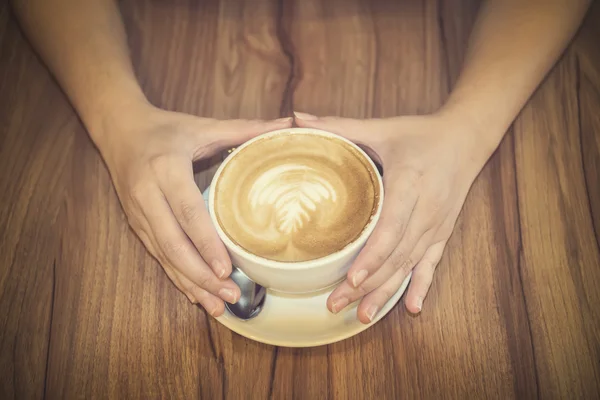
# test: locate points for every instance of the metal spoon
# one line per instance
(252, 296)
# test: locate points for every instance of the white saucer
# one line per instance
(302, 321)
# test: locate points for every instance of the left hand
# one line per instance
(429, 164)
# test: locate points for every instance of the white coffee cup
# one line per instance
(295, 277)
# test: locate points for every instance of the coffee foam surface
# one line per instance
(296, 197)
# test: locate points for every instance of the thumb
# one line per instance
(350, 128)
(227, 133)
(365, 133)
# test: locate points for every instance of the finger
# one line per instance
(175, 278)
(175, 249)
(187, 204)
(148, 243)
(212, 304)
(338, 125)
(229, 133)
(171, 273)
(370, 306)
(346, 294)
(356, 130)
(396, 213)
(423, 276)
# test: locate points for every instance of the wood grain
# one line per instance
(514, 310)
(35, 144)
(560, 256)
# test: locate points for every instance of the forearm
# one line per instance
(513, 45)
(84, 45)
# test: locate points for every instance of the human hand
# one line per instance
(429, 164)
(150, 155)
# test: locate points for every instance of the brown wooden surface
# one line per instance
(514, 311)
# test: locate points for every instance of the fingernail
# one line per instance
(219, 268)
(305, 116)
(419, 303)
(286, 119)
(359, 277)
(371, 311)
(213, 312)
(339, 305)
(191, 299)
(228, 295)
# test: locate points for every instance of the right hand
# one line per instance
(150, 157)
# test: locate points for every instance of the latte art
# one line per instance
(296, 197)
(294, 192)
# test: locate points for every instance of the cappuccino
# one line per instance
(296, 197)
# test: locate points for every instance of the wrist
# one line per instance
(115, 124)
(105, 106)
(480, 134)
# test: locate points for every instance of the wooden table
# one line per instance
(514, 311)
